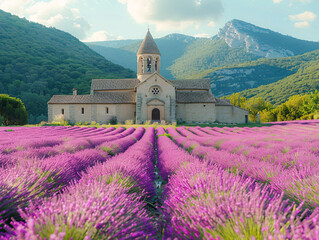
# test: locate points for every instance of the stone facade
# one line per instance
(149, 97)
(156, 93)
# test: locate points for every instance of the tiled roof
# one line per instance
(114, 84)
(107, 97)
(223, 102)
(191, 84)
(148, 45)
(194, 97)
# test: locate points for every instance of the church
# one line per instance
(149, 97)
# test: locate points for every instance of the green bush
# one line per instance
(113, 120)
(12, 110)
(180, 122)
(1, 120)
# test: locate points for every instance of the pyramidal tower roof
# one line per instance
(148, 45)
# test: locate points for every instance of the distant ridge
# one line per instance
(189, 57)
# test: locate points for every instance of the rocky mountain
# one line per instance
(37, 62)
(188, 57)
(263, 42)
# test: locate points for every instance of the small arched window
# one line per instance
(62, 111)
(107, 110)
(82, 110)
(149, 64)
(156, 64)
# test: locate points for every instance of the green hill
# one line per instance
(302, 77)
(37, 62)
(207, 53)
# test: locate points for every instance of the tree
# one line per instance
(256, 105)
(12, 110)
(237, 100)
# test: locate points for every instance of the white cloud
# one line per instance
(102, 36)
(302, 20)
(15, 6)
(305, 16)
(211, 24)
(292, 1)
(203, 35)
(177, 14)
(301, 24)
(61, 14)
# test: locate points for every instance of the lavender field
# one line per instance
(146, 183)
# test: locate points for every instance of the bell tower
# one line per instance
(148, 58)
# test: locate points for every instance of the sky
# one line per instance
(102, 20)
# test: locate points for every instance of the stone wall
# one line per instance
(54, 110)
(92, 112)
(102, 115)
(231, 114)
(126, 112)
(72, 112)
(196, 112)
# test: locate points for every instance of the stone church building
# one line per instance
(148, 97)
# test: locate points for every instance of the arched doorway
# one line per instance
(156, 115)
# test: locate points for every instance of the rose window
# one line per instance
(155, 91)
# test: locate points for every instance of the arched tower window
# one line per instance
(156, 64)
(149, 64)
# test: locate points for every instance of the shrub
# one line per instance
(1, 120)
(129, 122)
(147, 122)
(12, 110)
(180, 122)
(113, 120)
(59, 120)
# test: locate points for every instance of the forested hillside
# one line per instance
(37, 62)
(304, 77)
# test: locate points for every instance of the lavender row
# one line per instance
(107, 203)
(295, 173)
(31, 179)
(203, 201)
(21, 140)
(43, 149)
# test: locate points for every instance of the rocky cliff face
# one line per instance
(238, 34)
